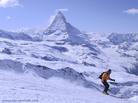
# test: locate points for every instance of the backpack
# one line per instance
(100, 76)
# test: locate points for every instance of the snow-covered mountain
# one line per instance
(39, 65)
(61, 30)
(15, 35)
(118, 38)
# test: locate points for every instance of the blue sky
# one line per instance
(86, 15)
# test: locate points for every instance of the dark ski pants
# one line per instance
(106, 86)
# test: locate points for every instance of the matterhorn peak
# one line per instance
(60, 16)
(61, 30)
(59, 23)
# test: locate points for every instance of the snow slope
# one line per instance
(31, 88)
(45, 60)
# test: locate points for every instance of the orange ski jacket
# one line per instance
(105, 76)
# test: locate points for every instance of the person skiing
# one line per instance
(104, 77)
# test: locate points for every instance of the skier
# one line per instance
(104, 77)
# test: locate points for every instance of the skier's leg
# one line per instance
(106, 87)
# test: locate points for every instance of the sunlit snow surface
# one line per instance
(19, 84)
(31, 88)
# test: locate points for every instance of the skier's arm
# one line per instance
(112, 79)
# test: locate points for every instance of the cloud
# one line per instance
(65, 9)
(9, 3)
(51, 18)
(8, 17)
(132, 11)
